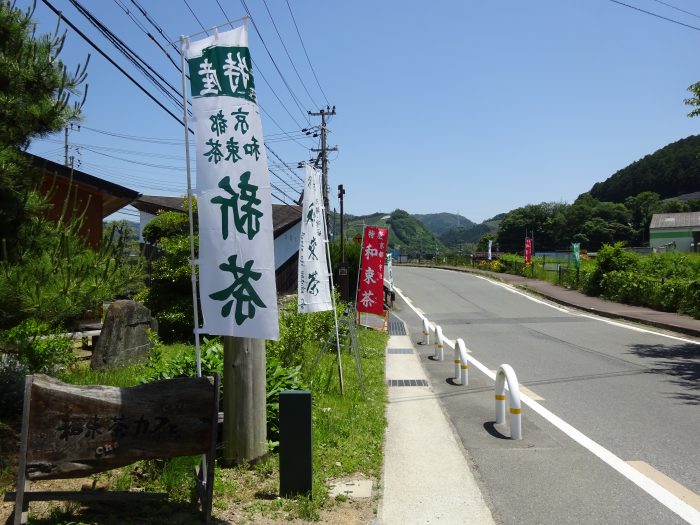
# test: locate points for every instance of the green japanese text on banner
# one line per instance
(313, 285)
(236, 254)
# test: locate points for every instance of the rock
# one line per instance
(124, 339)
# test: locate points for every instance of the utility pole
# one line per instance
(323, 113)
(343, 278)
(245, 417)
(68, 161)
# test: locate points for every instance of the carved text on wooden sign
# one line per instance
(75, 431)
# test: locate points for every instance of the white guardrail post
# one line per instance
(439, 343)
(426, 331)
(506, 374)
(461, 363)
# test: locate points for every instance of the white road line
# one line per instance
(671, 484)
(512, 289)
(662, 495)
(639, 329)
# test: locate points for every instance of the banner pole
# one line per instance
(335, 311)
(359, 270)
(204, 462)
(193, 261)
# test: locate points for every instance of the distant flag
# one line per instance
(490, 244)
(528, 250)
(576, 249)
(390, 271)
(236, 254)
(314, 291)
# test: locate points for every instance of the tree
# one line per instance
(694, 101)
(35, 100)
(169, 291)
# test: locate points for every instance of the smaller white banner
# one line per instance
(314, 291)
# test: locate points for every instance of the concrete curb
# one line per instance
(427, 477)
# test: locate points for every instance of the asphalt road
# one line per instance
(632, 391)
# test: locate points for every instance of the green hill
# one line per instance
(406, 233)
(455, 237)
(671, 171)
(439, 223)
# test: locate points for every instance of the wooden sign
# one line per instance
(74, 431)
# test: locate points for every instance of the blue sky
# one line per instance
(469, 107)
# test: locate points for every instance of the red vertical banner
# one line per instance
(370, 288)
(528, 250)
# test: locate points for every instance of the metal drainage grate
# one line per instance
(396, 327)
(407, 382)
(399, 351)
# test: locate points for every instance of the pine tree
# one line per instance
(35, 100)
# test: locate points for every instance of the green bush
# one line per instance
(278, 376)
(12, 373)
(690, 304)
(609, 259)
(169, 292)
(39, 348)
(299, 331)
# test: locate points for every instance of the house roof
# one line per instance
(695, 196)
(154, 204)
(284, 216)
(675, 220)
(114, 196)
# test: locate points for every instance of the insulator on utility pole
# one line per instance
(323, 153)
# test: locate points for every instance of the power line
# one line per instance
(147, 33)
(656, 15)
(161, 83)
(155, 25)
(195, 17)
(284, 46)
(121, 150)
(160, 166)
(154, 140)
(284, 80)
(307, 54)
(111, 61)
(278, 158)
(677, 8)
(264, 79)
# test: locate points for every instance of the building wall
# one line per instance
(79, 202)
(682, 238)
(287, 244)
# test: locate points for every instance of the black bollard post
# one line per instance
(295, 443)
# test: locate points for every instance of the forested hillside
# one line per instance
(439, 223)
(671, 171)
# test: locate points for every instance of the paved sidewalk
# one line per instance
(427, 478)
(665, 320)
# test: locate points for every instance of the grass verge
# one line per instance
(348, 435)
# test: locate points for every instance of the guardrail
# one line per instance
(439, 343)
(426, 331)
(506, 374)
(461, 363)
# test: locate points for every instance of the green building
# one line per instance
(675, 231)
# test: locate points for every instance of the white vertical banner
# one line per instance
(236, 253)
(489, 252)
(314, 291)
(390, 272)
